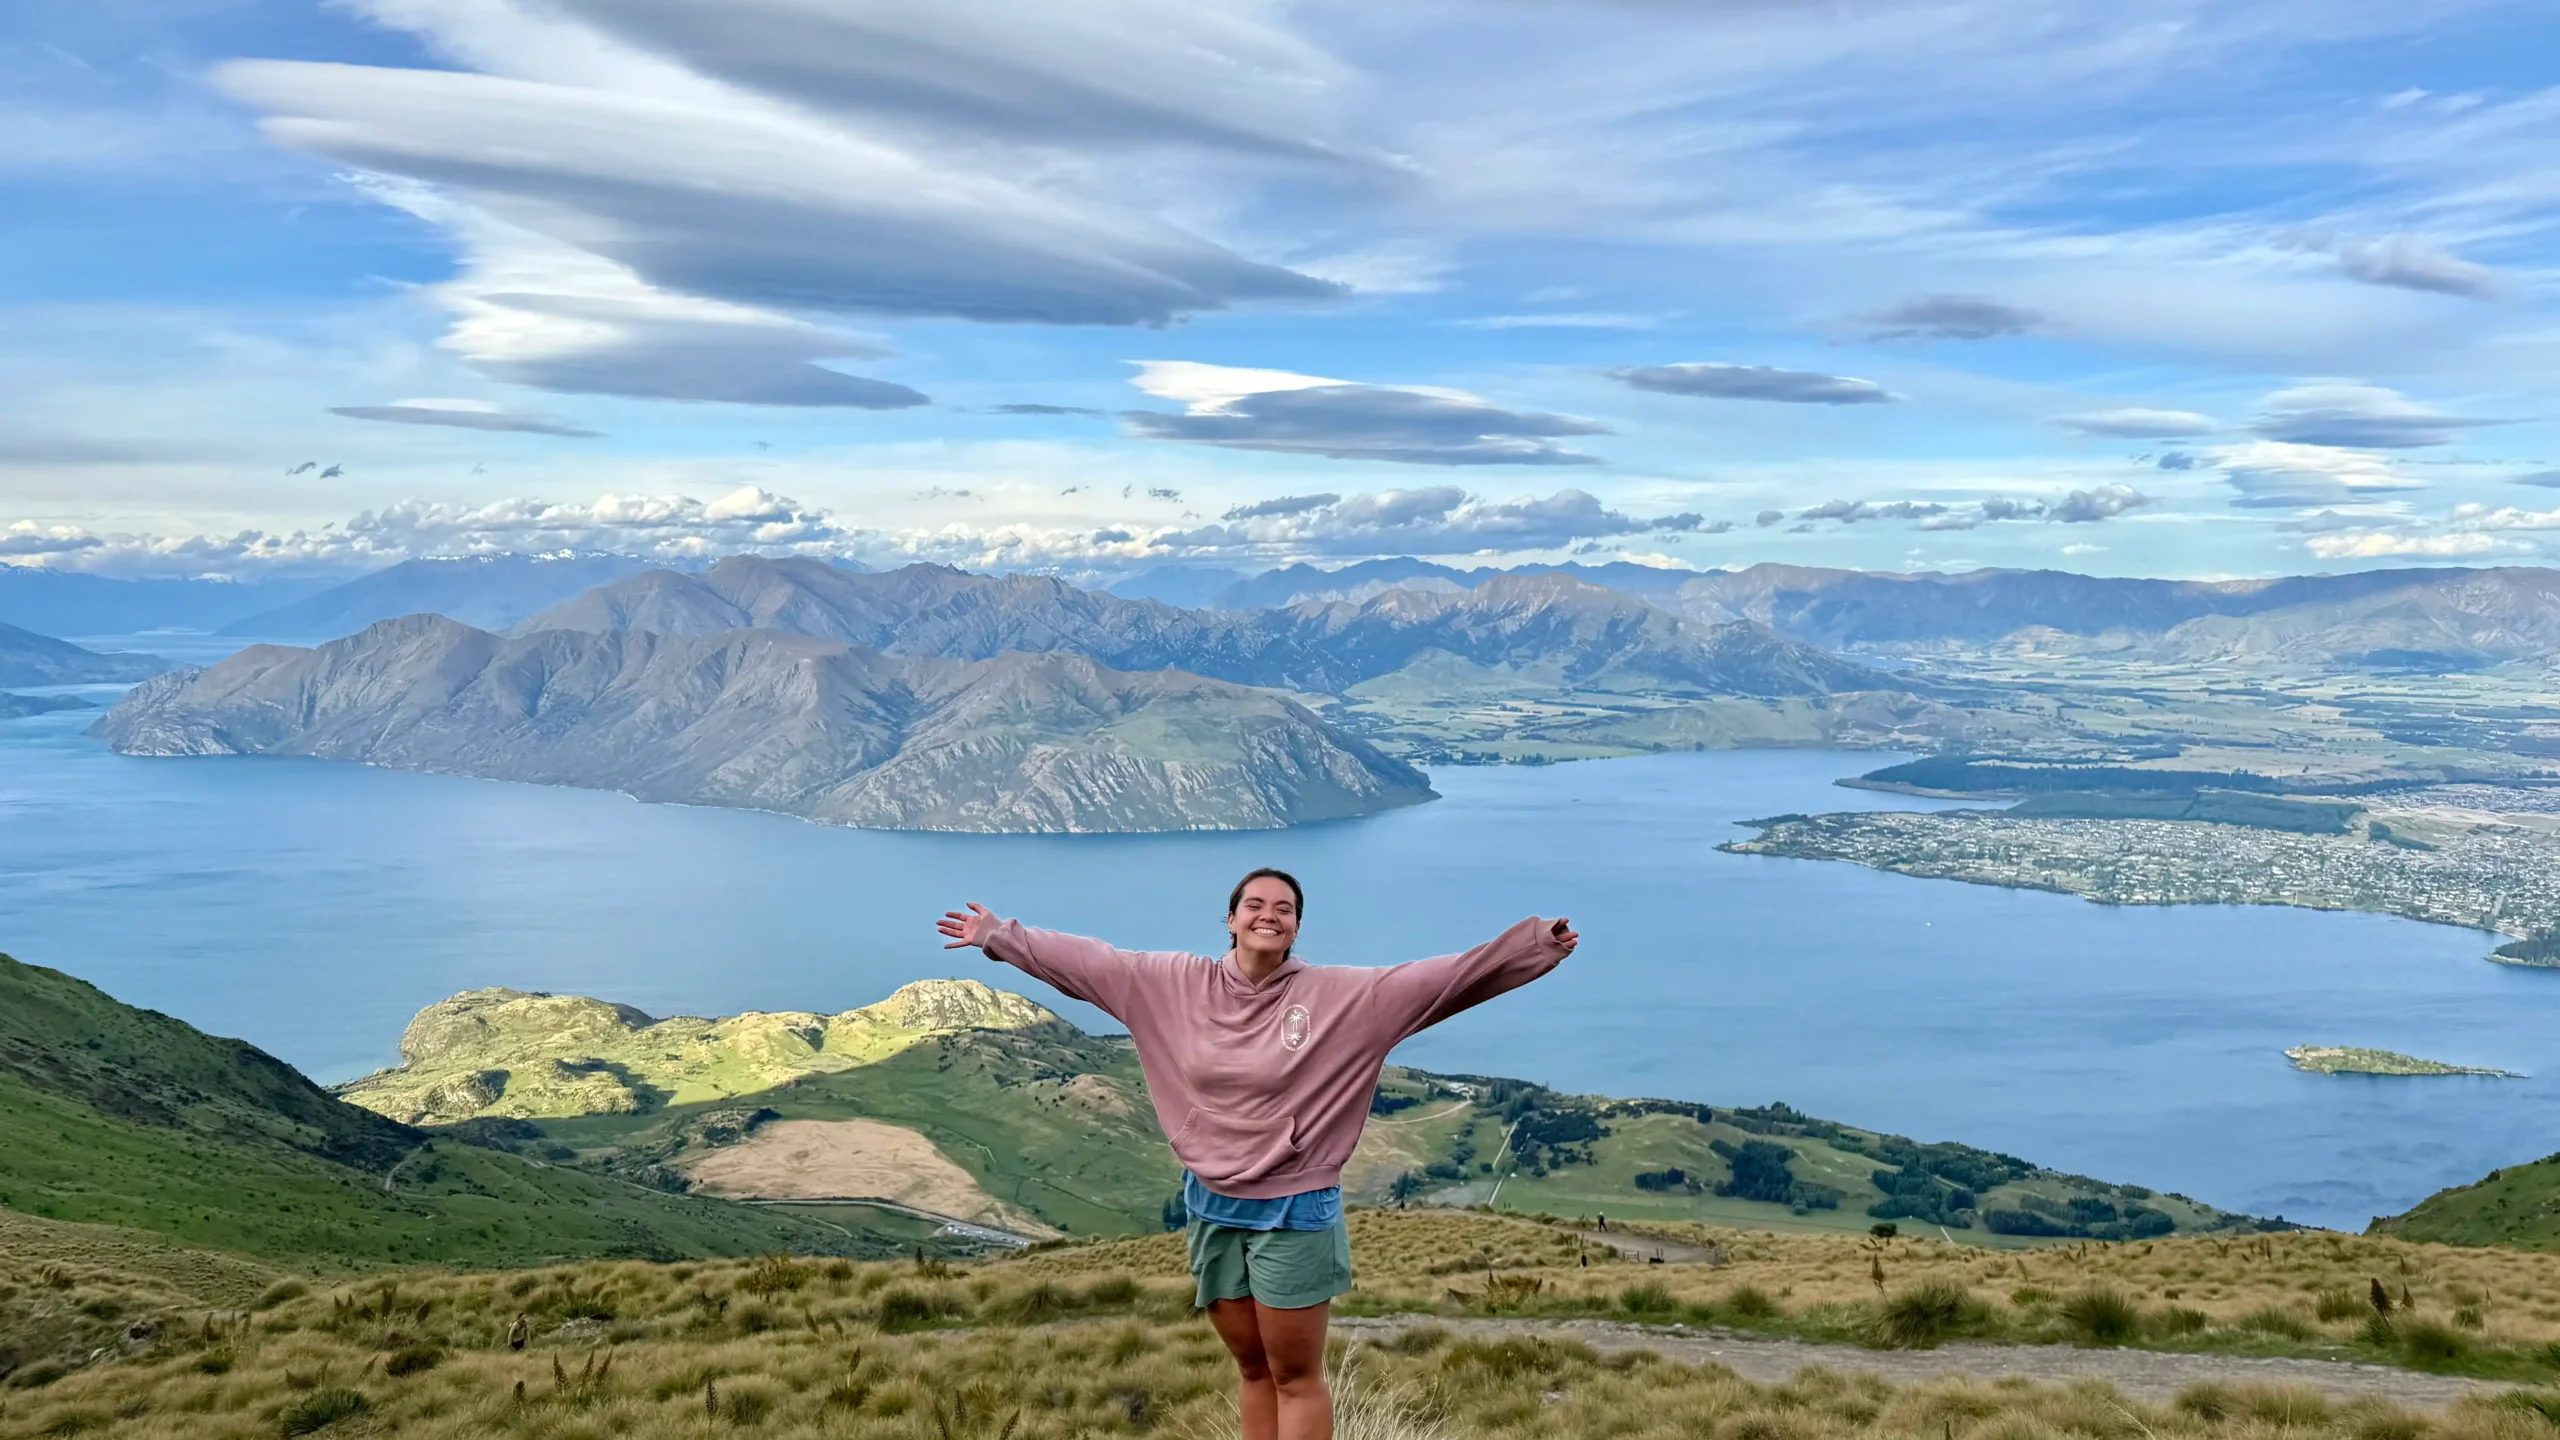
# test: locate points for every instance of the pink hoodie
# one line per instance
(1263, 1090)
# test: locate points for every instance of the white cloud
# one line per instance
(1428, 520)
(2475, 516)
(2380, 544)
(2357, 417)
(2102, 502)
(661, 527)
(2137, 422)
(2274, 474)
(2468, 529)
(1247, 409)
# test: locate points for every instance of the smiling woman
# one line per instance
(1262, 1068)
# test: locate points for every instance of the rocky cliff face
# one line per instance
(763, 720)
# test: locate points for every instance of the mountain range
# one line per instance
(765, 720)
(2443, 618)
(2446, 618)
(1588, 636)
(489, 591)
(27, 658)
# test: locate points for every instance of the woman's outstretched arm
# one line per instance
(1089, 970)
(1423, 993)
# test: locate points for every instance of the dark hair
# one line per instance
(1297, 892)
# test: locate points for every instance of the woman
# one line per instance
(1262, 1068)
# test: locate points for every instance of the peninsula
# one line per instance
(757, 719)
(2359, 1060)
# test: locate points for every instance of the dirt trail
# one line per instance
(2146, 1374)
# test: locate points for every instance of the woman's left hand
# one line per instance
(1565, 936)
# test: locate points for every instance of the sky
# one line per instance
(2160, 287)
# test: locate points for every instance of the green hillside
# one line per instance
(124, 1117)
(2518, 1206)
(1038, 1126)
(1048, 1127)
(1522, 1147)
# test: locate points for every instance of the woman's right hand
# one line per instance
(968, 929)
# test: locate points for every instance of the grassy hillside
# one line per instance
(123, 1117)
(1053, 1131)
(1050, 1125)
(1523, 1147)
(2518, 1205)
(1100, 1340)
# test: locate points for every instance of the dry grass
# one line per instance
(1100, 1340)
(2317, 1283)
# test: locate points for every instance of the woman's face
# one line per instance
(1266, 918)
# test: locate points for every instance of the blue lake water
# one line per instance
(312, 907)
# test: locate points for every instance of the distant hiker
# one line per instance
(1262, 1068)
(519, 1333)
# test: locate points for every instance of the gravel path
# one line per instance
(2148, 1374)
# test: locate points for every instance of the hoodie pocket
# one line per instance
(1227, 1147)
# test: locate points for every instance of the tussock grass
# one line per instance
(1922, 1315)
(1100, 1340)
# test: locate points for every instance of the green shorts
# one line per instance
(1284, 1269)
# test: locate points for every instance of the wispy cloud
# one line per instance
(1753, 382)
(651, 197)
(1950, 317)
(464, 415)
(2408, 264)
(2136, 422)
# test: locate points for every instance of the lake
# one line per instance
(311, 907)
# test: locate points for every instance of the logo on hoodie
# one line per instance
(1295, 1026)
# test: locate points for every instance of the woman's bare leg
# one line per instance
(1257, 1399)
(1293, 1355)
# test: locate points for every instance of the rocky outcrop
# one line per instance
(763, 720)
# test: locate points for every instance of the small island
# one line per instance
(2358, 1060)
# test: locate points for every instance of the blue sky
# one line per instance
(2164, 287)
